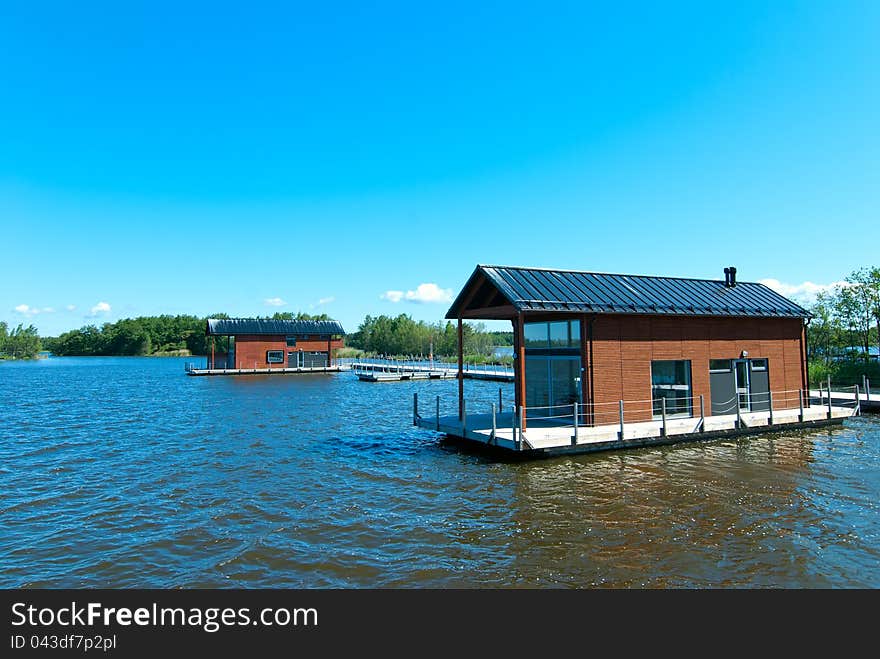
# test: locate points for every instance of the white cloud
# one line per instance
(274, 302)
(424, 294)
(326, 300)
(98, 309)
(804, 292)
(71, 307)
(25, 310)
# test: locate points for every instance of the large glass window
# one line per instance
(275, 356)
(555, 334)
(671, 381)
(536, 335)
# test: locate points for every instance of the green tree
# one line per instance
(23, 343)
(866, 288)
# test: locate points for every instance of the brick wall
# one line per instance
(250, 350)
(625, 346)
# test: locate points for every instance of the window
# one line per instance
(671, 381)
(719, 366)
(536, 335)
(275, 356)
(555, 334)
(291, 341)
(759, 364)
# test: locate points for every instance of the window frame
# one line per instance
(687, 387)
(275, 360)
(729, 368)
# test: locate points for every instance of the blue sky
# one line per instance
(357, 160)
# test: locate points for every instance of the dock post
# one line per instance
(864, 381)
(739, 420)
(574, 438)
(520, 425)
(500, 406)
(513, 429)
(663, 415)
(438, 413)
(857, 411)
(702, 415)
(621, 420)
(494, 427)
(770, 398)
(415, 408)
(868, 389)
(801, 405)
(829, 396)
(463, 419)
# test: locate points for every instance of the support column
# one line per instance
(805, 385)
(584, 374)
(520, 375)
(460, 372)
(212, 352)
(330, 351)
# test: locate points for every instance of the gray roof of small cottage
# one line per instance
(233, 326)
(544, 290)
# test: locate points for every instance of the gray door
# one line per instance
(294, 359)
(723, 390)
(759, 378)
(314, 359)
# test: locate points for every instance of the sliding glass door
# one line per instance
(551, 382)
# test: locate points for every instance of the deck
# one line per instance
(263, 371)
(548, 439)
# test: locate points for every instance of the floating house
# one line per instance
(256, 344)
(608, 356)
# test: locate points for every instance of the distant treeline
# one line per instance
(20, 343)
(402, 335)
(145, 335)
(150, 335)
(845, 330)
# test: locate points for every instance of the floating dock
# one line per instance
(544, 438)
(264, 371)
(869, 401)
(381, 370)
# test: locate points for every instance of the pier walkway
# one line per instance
(393, 370)
(868, 400)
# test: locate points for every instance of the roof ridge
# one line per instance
(613, 274)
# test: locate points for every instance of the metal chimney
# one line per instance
(732, 276)
(727, 277)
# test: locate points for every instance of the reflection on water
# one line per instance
(125, 472)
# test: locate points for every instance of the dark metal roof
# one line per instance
(233, 326)
(538, 289)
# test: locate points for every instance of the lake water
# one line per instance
(124, 472)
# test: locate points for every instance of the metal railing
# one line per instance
(627, 412)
